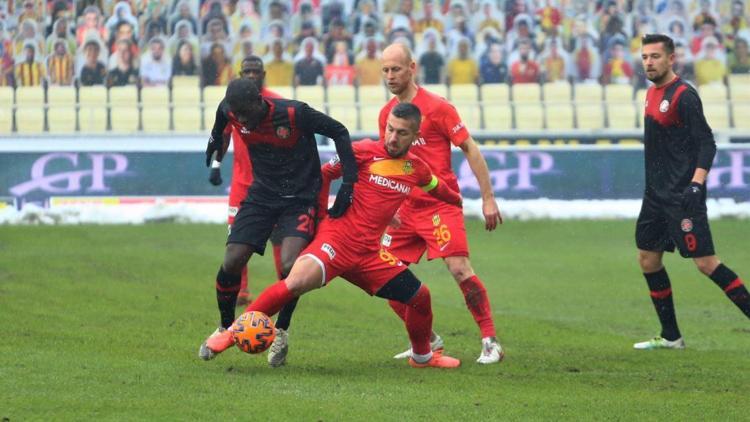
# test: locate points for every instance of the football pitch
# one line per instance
(104, 322)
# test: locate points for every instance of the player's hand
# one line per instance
(492, 216)
(344, 198)
(693, 197)
(214, 146)
(215, 176)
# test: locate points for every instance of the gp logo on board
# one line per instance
(328, 249)
(99, 167)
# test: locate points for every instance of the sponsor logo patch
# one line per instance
(386, 240)
(233, 211)
(436, 220)
(664, 106)
(328, 249)
(686, 225)
(283, 132)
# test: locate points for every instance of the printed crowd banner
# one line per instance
(554, 173)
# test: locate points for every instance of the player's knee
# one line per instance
(301, 284)
(649, 262)
(236, 257)
(707, 265)
(460, 268)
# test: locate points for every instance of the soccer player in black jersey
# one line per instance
(280, 137)
(679, 150)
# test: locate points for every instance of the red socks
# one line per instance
(243, 282)
(277, 261)
(272, 299)
(417, 315)
(479, 304)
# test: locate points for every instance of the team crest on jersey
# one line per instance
(386, 240)
(408, 167)
(664, 106)
(436, 220)
(328, 249)
(283, 132)
(686, 225)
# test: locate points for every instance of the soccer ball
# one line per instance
(253, 332)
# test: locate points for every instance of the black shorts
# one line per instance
(256, 220)
(660, 227)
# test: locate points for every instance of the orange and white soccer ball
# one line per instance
(253, 332)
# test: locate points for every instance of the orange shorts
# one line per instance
(439, 230)
(365, 267)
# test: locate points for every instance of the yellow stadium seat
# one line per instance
(559, 115)
(283, 91)
(341, 95)
(186, 82)
(494, 94)
(123, 109)
(6, 110)
(618, 93)
(557, 92)
(739, 86)
(346, 114)
(30, 109)
(437, 89)
(589, 116)
(526, 93)
(717, 114)
(371, 94)
(588, 92)
(212, 96)
(470, 114)
(640, 105)
(741, 112)
(368, 117)
(313, 95)
(529, 116)
(61, 114)
(187, 119)
(92, 113)
(497, 116)
(621, 115)
(713, 92)
(155, 109)
(468, 93)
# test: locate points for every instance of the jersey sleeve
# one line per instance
(312, 121)
(690, 109)
(221, 123)
(425, 179)
(382, 120)
(451, 124)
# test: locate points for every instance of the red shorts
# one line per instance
(438, 229)
(362, 266)
(237, 194)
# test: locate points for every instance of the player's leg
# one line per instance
(652, 240)
(295, 229)
(727, 280)
(247, 235)
(404, 288)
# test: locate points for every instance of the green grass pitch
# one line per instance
(104, 322)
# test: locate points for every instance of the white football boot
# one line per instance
(492, 351)
(660, 343)
(279, 348)
(435, 345)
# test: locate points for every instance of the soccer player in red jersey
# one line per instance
(429, 225)
(242, 171)
(679, 149)
(349, 246)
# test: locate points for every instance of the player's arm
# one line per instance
(691, 115)
(440, 190)
(219, 136)
(313, 121)
(478, 165)
(330, 171)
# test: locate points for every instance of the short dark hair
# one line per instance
(254, 59)
(241, 93)
(656, 38)
(408, 111)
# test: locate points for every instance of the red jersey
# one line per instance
(242, 169)
(441, 126)
(383, 184)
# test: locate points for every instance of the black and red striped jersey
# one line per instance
(677, 139)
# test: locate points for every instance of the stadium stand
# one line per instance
(580, 85)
